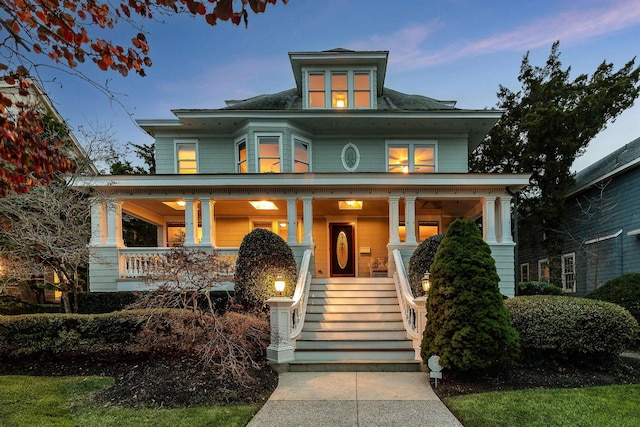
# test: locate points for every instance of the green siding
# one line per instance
(453, 155)
(165, 156)
(216, 155)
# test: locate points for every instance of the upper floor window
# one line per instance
(186, 157)
(268, 153)
(411, 157)
(241, 156)
(340, 89)
(301, 155)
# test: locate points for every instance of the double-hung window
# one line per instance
(411, 157)
(186, 157)
(241, 156)
(268, 153)
(301, 155)
(340, 89)
(524, 272)
(569, 272)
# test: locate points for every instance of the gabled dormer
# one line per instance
(339, 78)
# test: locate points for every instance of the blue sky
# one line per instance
(448, 49)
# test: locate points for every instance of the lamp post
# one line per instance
(280, 349)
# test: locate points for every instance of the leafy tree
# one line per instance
(69, 33)
(546, 125)
(467, 323)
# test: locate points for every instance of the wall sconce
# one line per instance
(279, 285)
(426, 283)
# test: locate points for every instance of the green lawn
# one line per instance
(64, 401)
(609, 406)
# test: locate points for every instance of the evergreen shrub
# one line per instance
(538, 288)
(263, 256)
(570, 329)
(420, 262)
(467, 323)
(624, 291)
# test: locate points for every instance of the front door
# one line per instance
(342, 250)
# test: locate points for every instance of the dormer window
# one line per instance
(339, 89)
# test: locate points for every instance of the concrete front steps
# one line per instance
(353, 324)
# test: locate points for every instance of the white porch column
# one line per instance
(208, 224)
(489, 219)
(506, 219)
(307, 218)
(410, 219)
(394, 220)
(114, 224)
(98, 223)
(190, 222)
(292, 221)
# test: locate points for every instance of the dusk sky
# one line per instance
(449, 50)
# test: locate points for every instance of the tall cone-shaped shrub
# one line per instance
(468, 325)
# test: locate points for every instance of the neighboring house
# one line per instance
(602, 229)
(73, 150)
(340, 164)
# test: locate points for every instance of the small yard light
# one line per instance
(279, 284)
(426, 284)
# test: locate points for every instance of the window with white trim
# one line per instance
(186, 157)
(301, 155)
(408, 157)
(543, 270)
(524, 272)
(340, 89)
(569, 272)
(269, 159)
(242, 166)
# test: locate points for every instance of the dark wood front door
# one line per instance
(342, 250)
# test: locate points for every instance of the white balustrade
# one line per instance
(414, 310)
(145, 262)
(300, 296)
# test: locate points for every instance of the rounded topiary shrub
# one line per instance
(263, 256)
(624, 291)
(570, 329)
(538, 288)
(467, 323)
(420, 262)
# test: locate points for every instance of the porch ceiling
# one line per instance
(321, 208)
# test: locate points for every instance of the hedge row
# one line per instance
(538, 288)
(67, 336)
(572, 329)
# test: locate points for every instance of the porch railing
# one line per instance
(144, 262)
(414, 311)
(300, 297)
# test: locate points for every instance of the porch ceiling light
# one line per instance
(179, 205)
(264, 205)
(350, 205)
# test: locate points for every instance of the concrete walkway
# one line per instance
(363, 399)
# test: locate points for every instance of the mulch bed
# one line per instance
(517, 377)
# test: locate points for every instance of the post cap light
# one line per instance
(279, 285)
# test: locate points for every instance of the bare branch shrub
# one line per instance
(229, 344)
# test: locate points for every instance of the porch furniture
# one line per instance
(378, 267)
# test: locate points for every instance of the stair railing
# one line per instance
(414, 310)
(300, 296)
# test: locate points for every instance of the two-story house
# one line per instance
(602, 227)
(340, 165)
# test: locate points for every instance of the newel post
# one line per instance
(421, 323)
(280, 350)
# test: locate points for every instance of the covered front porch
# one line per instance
(351, 227)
